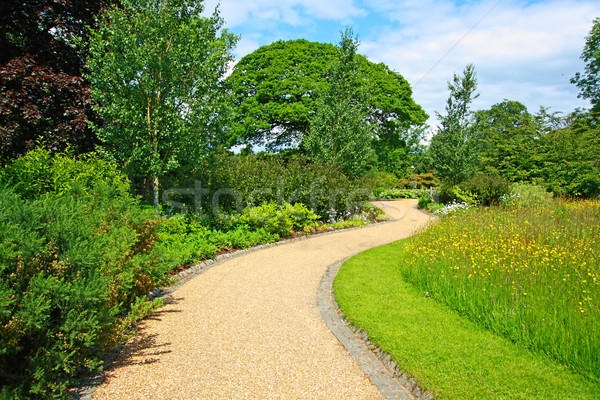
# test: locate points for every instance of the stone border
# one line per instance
(391, 382)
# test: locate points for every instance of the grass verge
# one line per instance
(449, 355)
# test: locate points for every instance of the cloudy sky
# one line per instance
(522, 50)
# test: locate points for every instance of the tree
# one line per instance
(156, 70)
(509, 141)
(589, 81)
(43, 45)
(453, 148)
(339, 131)
(274, 89)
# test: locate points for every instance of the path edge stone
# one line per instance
(385, 374)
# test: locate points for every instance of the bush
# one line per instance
(248, 181)
(527, 194)
(425, 201)
(283, 221)
(488, 189)
(403, 193)
(454, 194)
(75, 258)
(418, 181)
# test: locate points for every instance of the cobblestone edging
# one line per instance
(86, 390)
(392, 383)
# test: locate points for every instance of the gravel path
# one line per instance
(250, 328)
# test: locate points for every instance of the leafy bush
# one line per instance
(76, 257)
(425, 201)
(418, 181)
(488, 189)
(247, 181)
(454, 194)
(402, 194)
(527, 194)
(283, 221)
(40, 171)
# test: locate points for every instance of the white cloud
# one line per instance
(521, 52)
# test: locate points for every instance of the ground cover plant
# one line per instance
(529, 272)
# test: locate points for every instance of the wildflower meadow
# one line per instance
(531, 274)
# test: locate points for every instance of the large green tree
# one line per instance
(509, 141)
(454, 148)
(340, 132)
(156, 69)
(589, 81)
(274, 89)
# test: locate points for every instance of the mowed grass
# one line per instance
(493, 303)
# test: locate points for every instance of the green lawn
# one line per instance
(450, 355)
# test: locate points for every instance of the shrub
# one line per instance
(527, 194)
(283, 221)
(425, 201)
(403, 193)
(488, 189)
(75, 258)
(418, 181)
(254, 180)
(454, 194)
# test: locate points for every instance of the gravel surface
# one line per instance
(250, 328)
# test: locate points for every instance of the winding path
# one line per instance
(250, 327)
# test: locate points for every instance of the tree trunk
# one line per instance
(155, 187)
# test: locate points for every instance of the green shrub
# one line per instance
(248, 181)
(454, 194)
(528, 194)
(488, 189)
(403, 193)
(40, 171)
(283, 221)
(425, 201)
(418, 181)
(76, 255)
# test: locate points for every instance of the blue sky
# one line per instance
(522, 50)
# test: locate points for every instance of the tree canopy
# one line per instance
(274, 90)
(339, 131)
(43, 45)
(589, 81)
(156, 70)
(453, 148)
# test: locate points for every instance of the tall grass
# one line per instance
(531, 274)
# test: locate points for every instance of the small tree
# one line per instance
(339, 131)
(156, 69)
(453, 149)
(589, 81)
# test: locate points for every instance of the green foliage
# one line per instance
(75, 257)
(418, 181)
(509, 141)
(282, 220)
(156, 73)
(425, 201)
(487, 189)
(402, 193)
(275, 88)
(259, 179)
(339, 131)
(40, 171)
(569, 156)
(528, 195)
(454, 148)
(531, 274)
(455, 194)
(589, 81)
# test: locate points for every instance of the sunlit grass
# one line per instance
(531, 274)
